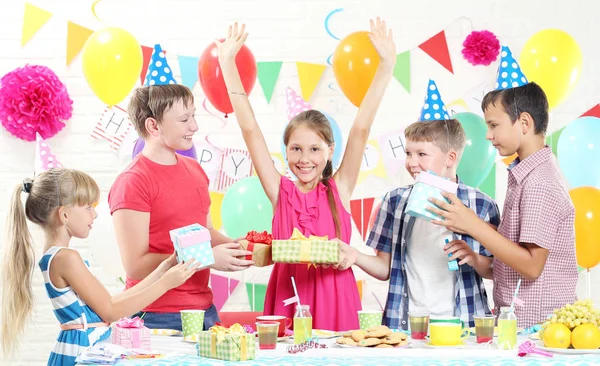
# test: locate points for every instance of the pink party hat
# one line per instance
(295, 104)
(44, 158)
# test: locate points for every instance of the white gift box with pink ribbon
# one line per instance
(131, 333)
(428, 185)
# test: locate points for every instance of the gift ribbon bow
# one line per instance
(218, 334)
(130, 323)
(254, 237)
(305, 243)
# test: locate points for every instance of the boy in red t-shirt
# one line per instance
(160, 191)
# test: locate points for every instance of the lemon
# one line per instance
(586, 336)
(557, 336)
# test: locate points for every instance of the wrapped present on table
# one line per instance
(260, 246)
(131, 333)
(300, 249)
(228, 344)
(193, 241)
(428, 185)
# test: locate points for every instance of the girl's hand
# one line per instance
(383, 41)
(164, 266)
(229, 48)
(179, 273)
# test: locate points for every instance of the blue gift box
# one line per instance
(428, 185)
(193, 241)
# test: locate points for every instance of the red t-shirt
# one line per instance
(176, 196)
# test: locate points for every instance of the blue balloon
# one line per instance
(579, 152)
(337, 138)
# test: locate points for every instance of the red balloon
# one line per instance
(211, 77)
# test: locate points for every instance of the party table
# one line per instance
(178, 352)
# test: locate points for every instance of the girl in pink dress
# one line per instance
(318, 202)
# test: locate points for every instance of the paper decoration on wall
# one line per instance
(458, 106)
(216, 200)
(372, 163)
(309, 75)
(593, 112)
(488, 186)
(295, 103)
(235, 165)
(188, 68)
(44, 158)
(114, 126)
(159, 71)
(76, 38)
(256, 296)
(146, 54)
(437, 48)
(359, 284)
(210, 158)
(509, 72)
(33, 19)
(392, 147)
(433, 107)
(222, 288)
(552, 140)
(361, 210)
(402, 69)
(268, 73)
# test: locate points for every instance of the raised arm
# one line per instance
(253, 136)
(347, 175)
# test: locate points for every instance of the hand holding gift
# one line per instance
(193, 242)
(260, 246)
(428, 185)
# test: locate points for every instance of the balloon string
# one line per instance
(205, 107)
(94, 9)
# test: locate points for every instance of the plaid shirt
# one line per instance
(390, 230)
(538, 210)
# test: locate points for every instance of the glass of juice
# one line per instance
(302, 324)
(419, 323)
(267, 334)
(484, 328)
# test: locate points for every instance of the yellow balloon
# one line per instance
(587, 225)
(355, 62)
(216, 200)
(552, 59)
(112, 62)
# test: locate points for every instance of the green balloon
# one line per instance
(245, 208)
(479, 155)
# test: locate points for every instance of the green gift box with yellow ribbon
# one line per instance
(300, 249)
(228, 344)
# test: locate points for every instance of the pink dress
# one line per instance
(332, 294)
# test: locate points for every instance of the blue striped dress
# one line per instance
(70, 309)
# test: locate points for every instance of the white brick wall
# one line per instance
(288, 30)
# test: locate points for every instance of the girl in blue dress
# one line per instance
(62, 202)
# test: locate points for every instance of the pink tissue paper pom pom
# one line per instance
(33, 100)
(481, 48)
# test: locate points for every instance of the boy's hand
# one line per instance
(383, 41)
(347, 256)
(456, 216)
(461, 250)
(228, 258)
(229, 48)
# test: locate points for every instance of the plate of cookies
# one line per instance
(379, 336)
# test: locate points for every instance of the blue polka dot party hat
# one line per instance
(509, 72)
(159, 72)
(433, 108)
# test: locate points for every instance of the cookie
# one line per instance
(358, 335)
(403, 343)
(348, 334)
(394, 338)
(346, 341)
(383, 345)
(379, 331)
(369, 342)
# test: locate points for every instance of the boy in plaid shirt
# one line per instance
(412, 253)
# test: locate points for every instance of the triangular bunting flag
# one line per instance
(552, 140)
(76, 38)
(309, 75)
(222, 287)
(188, 67)
(44, 157)
(402, 69)
(33, 19)
(437, 48)
(594, 112)
(268, 73)
(361, 210)
(256, 296)
(359, 284)
(147, 55)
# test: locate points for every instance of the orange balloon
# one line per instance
(587, 225)
(355, 62)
